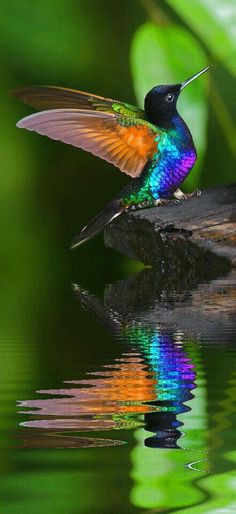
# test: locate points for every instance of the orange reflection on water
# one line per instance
(124, 388)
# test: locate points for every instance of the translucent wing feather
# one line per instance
(126, 142)
(52, 97)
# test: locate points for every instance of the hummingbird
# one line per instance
(153, 145)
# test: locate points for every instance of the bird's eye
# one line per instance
(169, 97)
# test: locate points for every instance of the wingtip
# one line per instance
(24, 122)
(17, 93)
(19, 124)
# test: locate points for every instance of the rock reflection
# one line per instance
(148, 385)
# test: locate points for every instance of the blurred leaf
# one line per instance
(170, 54)
(214, 22)
(50, 38)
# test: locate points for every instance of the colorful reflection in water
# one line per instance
(165, 398)
(147, 386)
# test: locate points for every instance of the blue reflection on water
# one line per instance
(148, 385)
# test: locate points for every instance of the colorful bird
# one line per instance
(154, 146)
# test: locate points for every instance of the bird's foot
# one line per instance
(141, 205)
(179, 195)
(147, 204)
(161, 201)
(197, 192)
(137, 206)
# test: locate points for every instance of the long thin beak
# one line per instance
(184, 84)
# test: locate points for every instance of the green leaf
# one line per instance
(49, 38)
(214, 22)
(170, 54)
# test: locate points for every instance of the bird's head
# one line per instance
(160, 102)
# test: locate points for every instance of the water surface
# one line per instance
(129, 406)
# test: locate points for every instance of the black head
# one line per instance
(160, 102)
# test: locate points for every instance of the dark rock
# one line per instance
(198, 233)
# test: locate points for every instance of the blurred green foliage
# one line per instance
(214, 22)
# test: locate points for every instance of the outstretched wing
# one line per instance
(114, 131)
(52, 97)
(128, 143)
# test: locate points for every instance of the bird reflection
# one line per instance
(148, 385)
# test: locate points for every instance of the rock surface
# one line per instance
(195, 233)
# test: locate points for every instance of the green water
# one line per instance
(121, 401)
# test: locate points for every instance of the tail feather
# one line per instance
(97, 224)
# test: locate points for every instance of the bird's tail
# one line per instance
(97, 224)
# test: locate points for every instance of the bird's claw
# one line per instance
(147, 204)
(141, 205)
(197, 192)
(160, 201)
(179, 195)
